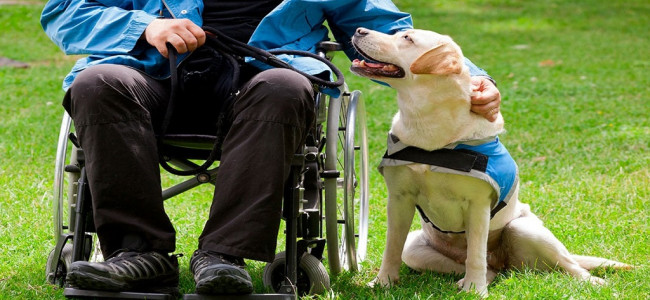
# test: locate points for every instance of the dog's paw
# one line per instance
(490, 276)
(374, 283)
(597, 280)
(470, 287)
(382, 281)
(460, 283)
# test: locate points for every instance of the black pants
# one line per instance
(116, 112)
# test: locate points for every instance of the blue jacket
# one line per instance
(109, 31)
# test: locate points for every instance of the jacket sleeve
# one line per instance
(378, 15)
(298, 24)
(89, 27)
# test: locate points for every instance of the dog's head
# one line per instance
(405, 54)
(433, 86)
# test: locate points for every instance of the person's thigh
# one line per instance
(114, 93)
(276, 95)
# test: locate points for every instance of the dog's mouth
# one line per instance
(373, 68)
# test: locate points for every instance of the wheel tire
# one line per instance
(346, 198)
(57, 276)
(312, 275)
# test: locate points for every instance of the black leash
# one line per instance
(234, 51)
(228, 45)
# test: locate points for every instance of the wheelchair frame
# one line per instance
(337, 147)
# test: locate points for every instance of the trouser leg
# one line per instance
(112, 107)
(272, 115)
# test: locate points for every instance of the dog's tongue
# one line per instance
(373, 65)
(363, 63)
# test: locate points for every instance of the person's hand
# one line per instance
(182, 34)
(486, 98)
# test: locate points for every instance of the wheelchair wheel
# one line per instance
(66, 177)
(65, 189)
(346, 198)
(57, 270)
(63, 196)
(312, 276)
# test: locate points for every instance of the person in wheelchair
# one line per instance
(117, 97)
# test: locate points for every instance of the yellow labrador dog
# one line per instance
(448, 164)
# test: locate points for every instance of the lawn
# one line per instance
(575, 86)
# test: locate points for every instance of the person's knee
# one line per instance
(279, 95)
(94, 81)
(90, 89)
(107, 92)
(285, 81)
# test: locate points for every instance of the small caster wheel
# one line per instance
(57, 276)
(312, 276)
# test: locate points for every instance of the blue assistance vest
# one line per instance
(486, 159)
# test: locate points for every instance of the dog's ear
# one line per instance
(440, 60)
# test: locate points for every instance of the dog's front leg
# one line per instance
(400, 216)
(478, 226)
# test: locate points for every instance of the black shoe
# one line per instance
(127, 271)
(216, 273)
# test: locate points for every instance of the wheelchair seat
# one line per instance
(189, 141)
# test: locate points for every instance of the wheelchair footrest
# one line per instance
(240, 297)
(92, 294)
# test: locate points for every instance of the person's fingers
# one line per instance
(483, 109)
(188, 40)
(162, 48)
(178, 43)
(486, 98)
(182, 34)
(484, 91)
(492, 114)
(192, 35)
(198, 34)
(488, 110)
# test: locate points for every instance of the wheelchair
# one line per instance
(328, 184)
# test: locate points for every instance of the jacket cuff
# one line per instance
(137, 27)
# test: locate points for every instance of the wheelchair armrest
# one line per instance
(329, 46)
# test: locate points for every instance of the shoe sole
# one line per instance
(89, 281)
(225, 281)
(83, 280)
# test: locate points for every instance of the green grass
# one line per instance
(575, 86)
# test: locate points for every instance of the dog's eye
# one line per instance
(407, 37)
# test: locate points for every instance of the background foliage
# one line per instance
(573, 75)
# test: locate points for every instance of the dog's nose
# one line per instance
(361, 31)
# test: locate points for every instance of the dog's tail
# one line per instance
(592, 262)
